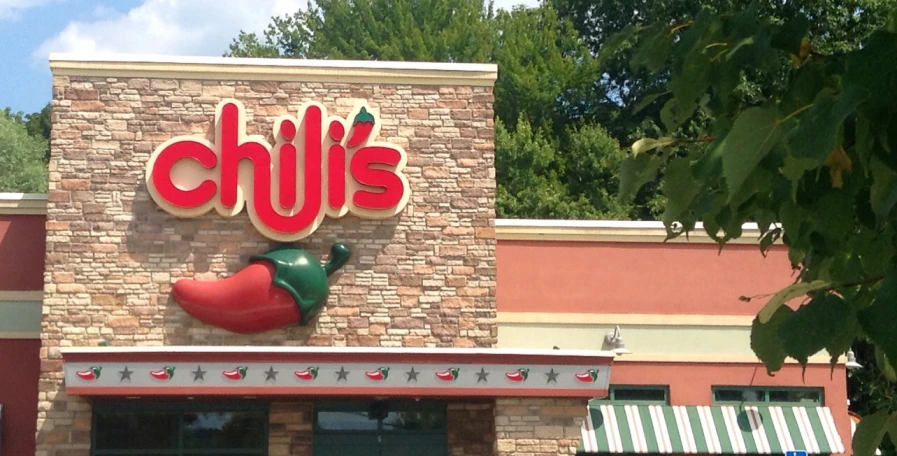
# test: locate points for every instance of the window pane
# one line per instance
(414, 421)
(346, 421)
(137, 431)
(230, 430)
(798, 396)
(739, 395)
(639, 394)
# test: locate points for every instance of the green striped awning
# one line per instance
(667, 429)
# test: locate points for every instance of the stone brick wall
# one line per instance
(423, 278)
(538, 427)
(471, 428)
(290, 429)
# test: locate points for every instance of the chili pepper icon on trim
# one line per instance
(236, 374)
(163, 374)
(449, 375)
(308, 374)
(379, 375)
(519, 375)
(283, 286)
(90, 374)
(588, 376)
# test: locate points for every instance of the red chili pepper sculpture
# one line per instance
(163, 374)
(449, 375)
(308, 374)
(236, 374)
(90, 374)
(588, 377)
(519, 375)
(380, 374)
(283, 286)
(362, 126)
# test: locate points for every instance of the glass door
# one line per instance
(381, 428)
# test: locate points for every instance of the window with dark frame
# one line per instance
(767, 395)
(382, 416)
(177, 429)
(638, 394)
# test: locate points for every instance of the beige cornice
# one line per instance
(19, 334)
(23, 203)
(607, 231)
(623, 319)
(252, 69)
(7, 295)
(714, 358)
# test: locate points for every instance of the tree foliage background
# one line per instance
(24, 151)
(759, 123)
(544, 145)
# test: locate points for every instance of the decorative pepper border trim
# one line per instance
(352, 378)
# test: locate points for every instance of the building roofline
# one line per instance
(607, 231)
(505, 229)
(23, 203)
(268, 69)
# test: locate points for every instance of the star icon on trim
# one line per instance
(199, 374)
(481, 375)
(125, 374)
(271, 374)
(552, 376)
(342, 374)
(412, 375)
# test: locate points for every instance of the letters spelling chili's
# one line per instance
(374, 183)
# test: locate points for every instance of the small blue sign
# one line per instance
(796, 453)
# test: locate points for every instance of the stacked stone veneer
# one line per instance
(423, 278)
(538, 427)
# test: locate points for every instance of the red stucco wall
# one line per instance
(636, 278)
(22, 252)
(20, 363)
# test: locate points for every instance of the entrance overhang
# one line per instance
(334, 371)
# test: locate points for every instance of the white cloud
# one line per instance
(10, 9)
(509, 4)
(173, 27)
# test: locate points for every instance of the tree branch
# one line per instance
(831, 287)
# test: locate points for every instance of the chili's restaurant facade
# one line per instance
(257, 257)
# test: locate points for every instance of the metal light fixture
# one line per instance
(852, 363)
(615, 339)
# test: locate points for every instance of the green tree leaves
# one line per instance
(553, 160)
(774, 124)
(878, 319)
(817, 133)
(22, 165)
(814, 326)
(765, 340)
(786, 294)
(754, 134)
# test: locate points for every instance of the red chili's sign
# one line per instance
(319, 166)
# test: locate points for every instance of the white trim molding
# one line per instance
(19, 334)
(671, 320)
(258, 69)
(608, 231)
(23, 203)
(15, 295)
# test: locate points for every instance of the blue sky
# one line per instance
(31, 29)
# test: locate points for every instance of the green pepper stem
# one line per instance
(339, 256)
